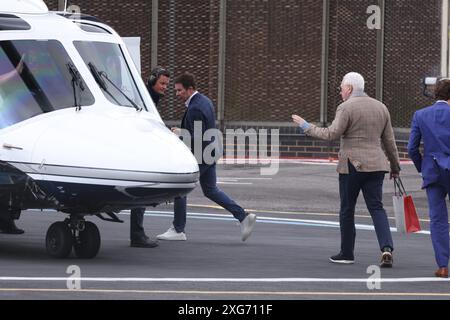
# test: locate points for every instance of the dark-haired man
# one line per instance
(200, 111)
(432, 126)
(157, 85)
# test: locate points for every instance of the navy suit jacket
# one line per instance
(201, 110)
(432, 125)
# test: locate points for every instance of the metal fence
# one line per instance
(261, 60)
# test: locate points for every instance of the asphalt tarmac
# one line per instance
(286, 257)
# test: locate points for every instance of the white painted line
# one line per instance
(227, 280)
(233, 178)
(262, 219)
(234, 183)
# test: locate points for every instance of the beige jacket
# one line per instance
(364, 126)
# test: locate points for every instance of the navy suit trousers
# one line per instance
(208, 182)
(371, 184)
(436, 194)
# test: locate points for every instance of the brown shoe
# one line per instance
(441, 273)
(386, 260)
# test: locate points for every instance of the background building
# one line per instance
(262, 60)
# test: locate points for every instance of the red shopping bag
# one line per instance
(411, 219)
(405, 211)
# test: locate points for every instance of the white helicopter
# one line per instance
(79, 132)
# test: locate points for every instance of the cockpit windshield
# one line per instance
(35, 78)
(110, 69)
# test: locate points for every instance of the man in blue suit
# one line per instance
(432, 125)
(200, 114)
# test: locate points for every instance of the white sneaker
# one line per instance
(247, 225)
(173, 235)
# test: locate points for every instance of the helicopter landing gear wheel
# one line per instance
(59, 240)
(86, 243)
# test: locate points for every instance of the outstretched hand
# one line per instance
(298, 120)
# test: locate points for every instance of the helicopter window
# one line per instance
(12, 22)
(35, 78)
(92, 28)
(113, 71)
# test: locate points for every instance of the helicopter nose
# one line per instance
(165, 151)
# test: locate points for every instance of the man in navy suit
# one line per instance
(200, 114)
(432, 125)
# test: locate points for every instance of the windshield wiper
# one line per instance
(100, 81)
(99, 75)
(76, 82)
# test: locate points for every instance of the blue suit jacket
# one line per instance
(432, 124)
(200, 109)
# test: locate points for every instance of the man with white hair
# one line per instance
(364, 126)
